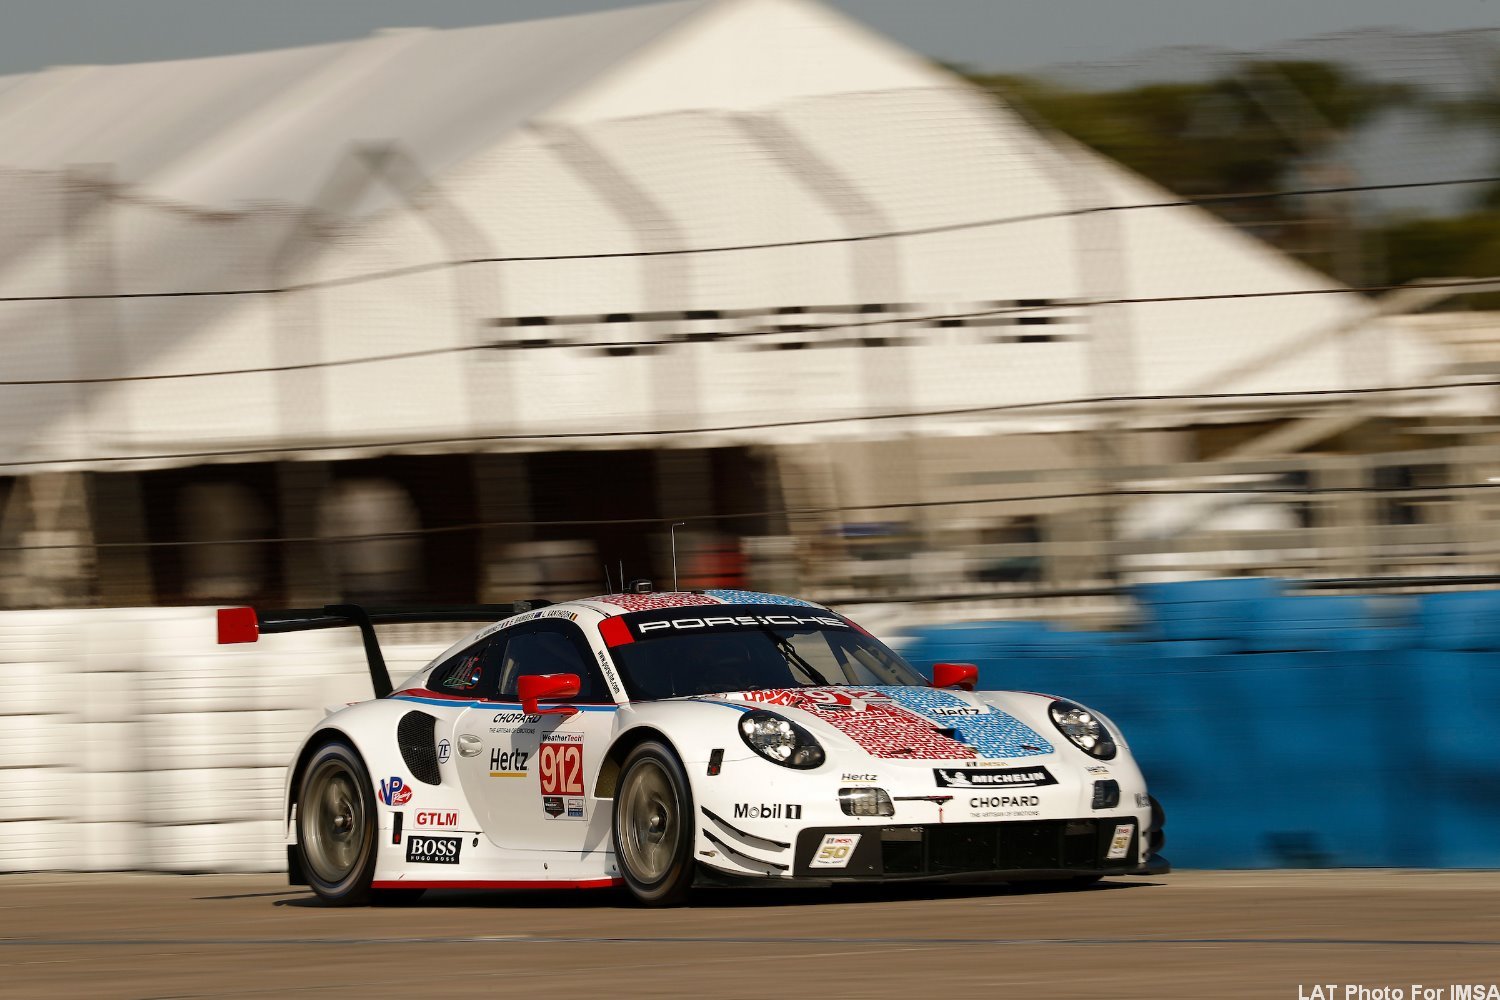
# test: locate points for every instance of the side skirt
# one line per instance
(586, 883)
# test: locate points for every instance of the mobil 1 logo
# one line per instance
(433, 850)
(767, 810)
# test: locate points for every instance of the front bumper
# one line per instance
(1035, 849)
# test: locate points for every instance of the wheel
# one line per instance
(653, 826)
(336, 825)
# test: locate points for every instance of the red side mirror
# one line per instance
(533, 688)
(959, 675)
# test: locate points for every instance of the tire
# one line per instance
(336, 825)
(653, 826)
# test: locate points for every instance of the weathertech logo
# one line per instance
(763, 810)
(995, 777)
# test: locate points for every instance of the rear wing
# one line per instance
(248, 624)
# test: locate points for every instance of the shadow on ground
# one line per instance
(720, 898)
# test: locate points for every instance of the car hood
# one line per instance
(898, 723)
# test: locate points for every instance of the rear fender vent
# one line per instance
(414, 735)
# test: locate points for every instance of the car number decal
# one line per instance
(560, 768)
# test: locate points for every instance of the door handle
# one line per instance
(469, 745)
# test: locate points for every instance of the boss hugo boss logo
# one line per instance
(434, 850)
(993, 777)
(767, 810)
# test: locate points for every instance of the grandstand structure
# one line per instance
(472, 313)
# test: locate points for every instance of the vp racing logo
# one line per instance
(394, 792)
(993, 777)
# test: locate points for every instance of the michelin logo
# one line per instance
(995, 777)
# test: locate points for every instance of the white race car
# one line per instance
(662, 740)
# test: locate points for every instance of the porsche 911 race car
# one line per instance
(662, 739)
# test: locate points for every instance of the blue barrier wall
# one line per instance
(1280, 730)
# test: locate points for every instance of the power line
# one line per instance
(1293, 491)
(413, 269)
(1093, 401)
(1458, 284)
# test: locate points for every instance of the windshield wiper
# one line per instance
(792, 657)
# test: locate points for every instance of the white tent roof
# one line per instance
(230, 131)
(570, 162)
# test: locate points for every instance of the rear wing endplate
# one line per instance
(248, 624)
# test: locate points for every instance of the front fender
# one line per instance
(693, 729)
(370, 727)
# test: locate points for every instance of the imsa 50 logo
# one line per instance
(434, 850)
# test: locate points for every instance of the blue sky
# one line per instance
(991, 34)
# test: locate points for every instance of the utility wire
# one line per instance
(953, 227)
(1457, 284)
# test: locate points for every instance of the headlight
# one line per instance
(866, 801)
(1083, 728)
(780, 741)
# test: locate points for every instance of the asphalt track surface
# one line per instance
(1193, 934)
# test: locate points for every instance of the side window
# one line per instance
(551, 647)
(472, 672)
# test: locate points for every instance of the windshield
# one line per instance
(693, 651)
